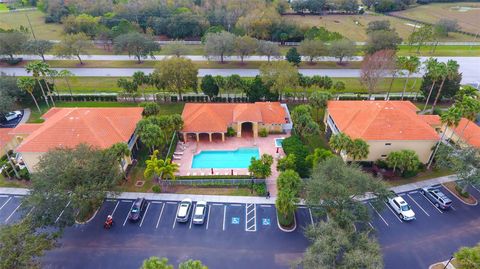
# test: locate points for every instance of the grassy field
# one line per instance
(353, 26)
(466, 13)
(3, 7)
(42, 30)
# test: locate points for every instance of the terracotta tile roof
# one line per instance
(432, 120)
(216, 117)
(470, 134)
(5, 136)
(25, 128)
(68, 127)
(380, 120)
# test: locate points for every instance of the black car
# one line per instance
(138, 208)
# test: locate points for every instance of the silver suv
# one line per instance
(438, 198)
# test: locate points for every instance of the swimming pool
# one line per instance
(239, 158)
(278, 142)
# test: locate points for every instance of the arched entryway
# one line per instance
(247, 129)
(204, 137)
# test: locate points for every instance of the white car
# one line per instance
(200, 212)
(401, 207)
(183, 211)
(13, 115)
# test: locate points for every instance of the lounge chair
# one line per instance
(217, 173)
(194, 174)
(178, 153)
(203, 174)
(188, 174)
(177, 157)
(235, 174)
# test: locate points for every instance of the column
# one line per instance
(185, 136)
(255, 129)
(239, 129)
(198, 137)
(210, 136)
(223, 137)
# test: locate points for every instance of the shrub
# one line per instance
(156, 189)
(293, 145)
(150, 108)
(381, 164)
(231, 132)
(460, 191)
(260, 189)
(339, 86)
(263, 132)
(24, 174)
(285, 222)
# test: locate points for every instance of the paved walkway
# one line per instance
(236, 199)
(26, 115)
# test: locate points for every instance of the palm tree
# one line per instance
(411, 64)
(65, 74)
(470, 108)
(395, 69)
(286, 203)
(359, 149)
(34, 68)
(318, 100)
(449, 71)
(120, 151)
(27, 84)
(339, 142)
(141, 80)
(449, 118)
(434, 70)
(158, 168)
(44, 70)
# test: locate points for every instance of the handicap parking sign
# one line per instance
(265, 221)
(235, 220)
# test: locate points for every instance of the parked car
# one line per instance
(183, 211)
(402, 208)
(438, 198)
(200, 212)
(138, 208)
(13, 115)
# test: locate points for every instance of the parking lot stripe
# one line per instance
(115, 209)
(191, 219)
(236, 205)
(18, 196)
(61, 213)
(393, 212)
(371, 225)
(412, 192)
(224, 215)
(174, 220)
(156, 202)
(13, 212)
(172, 203)
(208, 216)
(8, 200)
(159, 217)
(217, 204)
(30, 212)
(126, 201)
(128, 214)
(378, 214)
(3, 195)
(475, 187)
(143, 217)
(311, 216)
(418, 205)
(432, 203)
(267, 206)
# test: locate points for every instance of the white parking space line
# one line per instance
(191, 219)
(412, 192)
(18, 196)
(128, 214)
(371, 225)
(236, 205)
(144, 215)
(208, 216)
(418, 205)
(159, 217)
(110, 200)
(475, 188)
(393, 212)
(8, 200)
(311, 217)
(126, 201)
(61, 213)
(451, 206)
(217, 204)
(115, 209)
(13, 212)
(172, 203)
(156, 202)
(3, 195)
(432, 204)
(378, 214)
(267, 206)
(224, 215)
(30, 212)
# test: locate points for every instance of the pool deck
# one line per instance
(264, 144)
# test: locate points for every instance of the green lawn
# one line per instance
(3, 7)
(440, 51)
(4, 183)
(13, 20)
(421, 177)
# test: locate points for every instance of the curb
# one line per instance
(90, 219)
(285, 230)
(461, 200)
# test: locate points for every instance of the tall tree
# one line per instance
(36, 69)
(245, 46)
(73, 45)
(312, 49)
(66, 74)
(450, 72)
(177, 75)
(293, 56)
(136, 44)
(78, 177)
(289, 180)
(374, 68)
(340, 142)
(342, 49)
(176, 48)
(382, 40)
(209, 86)
(318, 100)
(38, 47)
(303, 123)
(129, 87)
(219, 44)
(12, 43)
(412, 65)
(28, 85)
(405, 160)
(434, 71)
(160, 168)
(470, 108)
(120, 151)
(21, 245)
(279, 76)
(141, 80)
(268, 48)
(359, 149)
(261, 168)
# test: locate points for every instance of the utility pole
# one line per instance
(31, 28)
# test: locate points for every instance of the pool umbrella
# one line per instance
(277, 150)
(212, 171)
(232, 172)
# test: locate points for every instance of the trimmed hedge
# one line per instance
(213, 177)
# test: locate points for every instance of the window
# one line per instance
(388, 144)
(383, 156)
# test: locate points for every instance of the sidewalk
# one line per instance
(237, 199)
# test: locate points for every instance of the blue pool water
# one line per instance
(239, 158)
(278, 142)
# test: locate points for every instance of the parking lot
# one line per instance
(232, 236)
(433, 236)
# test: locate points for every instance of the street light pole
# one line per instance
(446, 265)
